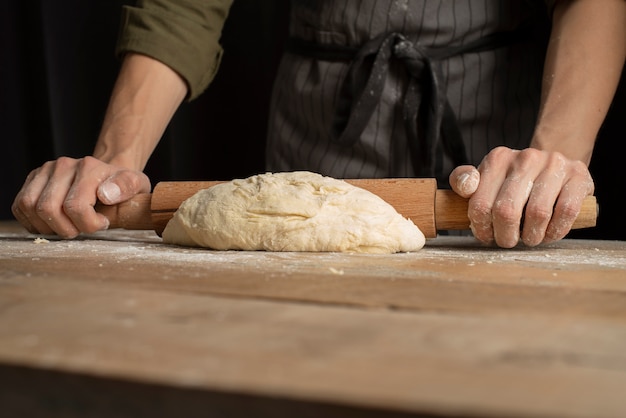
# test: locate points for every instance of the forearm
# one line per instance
(583, 65)
(144, 99)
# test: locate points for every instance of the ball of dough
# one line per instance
(293, 211)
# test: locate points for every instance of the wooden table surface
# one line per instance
(119, 324)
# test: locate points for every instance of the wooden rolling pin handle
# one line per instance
(134, 214)
(451, 212)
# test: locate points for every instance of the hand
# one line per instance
(59, 197)
(543, 188)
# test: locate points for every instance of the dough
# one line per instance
(293, 211)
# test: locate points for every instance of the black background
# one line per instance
(57, 69)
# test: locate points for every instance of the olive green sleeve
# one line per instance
(182, 34)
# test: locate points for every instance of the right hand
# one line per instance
(59, 197)
(529, 194)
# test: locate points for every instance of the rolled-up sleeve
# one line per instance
(182, 34)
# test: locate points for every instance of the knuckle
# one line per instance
(16, 210)
(557, 159)
(89, 165)
(479, 211)
(78, 212)
(569, 211)
(73, 207)
(34, 173)
(499, 152)
(556, 231)
(136, 182)
(89, 161)
(495, 155)
(505, 212)
(533, 238)
(539, 213)
(527, 158)
(557, 164)
(46, 211)
(25, 203)
(131, 182)
(127, 180)
(591, 187)
(64, 163)
(580, 169)
(528, 154)
(45, 167)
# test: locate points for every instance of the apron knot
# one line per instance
(430, 123)
(425, 106)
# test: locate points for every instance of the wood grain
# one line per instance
(457, 329)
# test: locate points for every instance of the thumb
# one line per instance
(123, 185)
(464, 180)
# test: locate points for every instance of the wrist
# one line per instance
(122, 142)
(573, 144)
(145, 97)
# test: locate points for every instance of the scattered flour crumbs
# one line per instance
(552, 254)
(150, 248)
(152, 251)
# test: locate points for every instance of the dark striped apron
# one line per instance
(399, 88)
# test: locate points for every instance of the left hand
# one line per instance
(543, 188)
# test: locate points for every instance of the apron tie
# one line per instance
(425, 95)
(430, 123)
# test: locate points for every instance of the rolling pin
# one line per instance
(431, 209)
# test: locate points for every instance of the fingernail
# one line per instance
(110, 192)
(462, 179)
(467, 183)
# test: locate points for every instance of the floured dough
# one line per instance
(294, 211)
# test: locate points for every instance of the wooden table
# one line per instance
(117, 324)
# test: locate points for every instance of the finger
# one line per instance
(568, 206)
(538, 212)
(464, 180)
(24, 202)
(82, 195)
(493, 170)
(508, 209)
(50, 206)
(515, 194)
(23, 219)
(539, 209)
(24, 206)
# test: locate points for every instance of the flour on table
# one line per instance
(293, 211)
